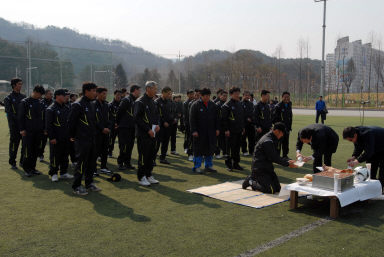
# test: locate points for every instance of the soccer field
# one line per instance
(42, 218)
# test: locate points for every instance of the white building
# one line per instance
(364, 58)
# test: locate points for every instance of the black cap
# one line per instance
(61, 91)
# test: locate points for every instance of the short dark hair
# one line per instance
(285, 93)
(117, 91)
(219, 91)
(306, 133)
(205, 91)
(39, 89)
(252, 96)
(88, 86)
(280, 126)
(14, 81)
(349, 132)
(176, 96)
(246, 92)
(233, 90)
(264, 92)
(197, 90)
(72, 95)
(166, 90)
(123, 90)
(101, 90)
(47, 91)
(224, 92)
(133, 88)
(190, 91)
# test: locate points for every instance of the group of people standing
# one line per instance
(86, 129)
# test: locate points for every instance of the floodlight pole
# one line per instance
(323, 50)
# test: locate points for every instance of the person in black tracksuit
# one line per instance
(56, 125)
(233, 125)
(167, 119)
(187, 127)
(178, 110)
(369, 148)
(113, 107)
(46, 101)
(222, 141)
(263, 177)
(11, 104)
(323, 140)
(31, 125)
(82, 130)
(147, 125)
(283, 113)
(72, 153)
(126, 127)
(104, 128)
(262, 115)
(249, 125)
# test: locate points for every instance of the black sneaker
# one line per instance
(164, 161)
(80, 190)
(28, 174)
(92, 187)
(122, 167)
(130, 167)
(210, 169)
(237, 167)
(36, 172)
(95, 174)
(110, 155)
(14, 167)
(246, 182)
(154, 164)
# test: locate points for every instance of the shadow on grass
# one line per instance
(182, 197)
(103, 204)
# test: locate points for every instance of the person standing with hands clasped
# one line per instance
(204, 123)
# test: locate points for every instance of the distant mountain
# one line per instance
(134, 59)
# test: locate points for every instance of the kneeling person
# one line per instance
(264, 178)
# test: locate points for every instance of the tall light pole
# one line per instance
(323, 51)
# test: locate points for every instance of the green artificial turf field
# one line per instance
(42, 218)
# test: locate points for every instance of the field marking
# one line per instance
(285, 238)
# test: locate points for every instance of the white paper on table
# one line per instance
(299, 163)
(154, 129)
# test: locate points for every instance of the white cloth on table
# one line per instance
(360, 192)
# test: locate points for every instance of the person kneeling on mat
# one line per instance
(266, 153)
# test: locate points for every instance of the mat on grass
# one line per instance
(232, 192)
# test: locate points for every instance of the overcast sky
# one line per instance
(166, 26)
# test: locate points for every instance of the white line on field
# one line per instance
(285, 238)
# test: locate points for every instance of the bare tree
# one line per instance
(350, 74)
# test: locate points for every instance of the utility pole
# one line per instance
(179, 74)
(323, 49)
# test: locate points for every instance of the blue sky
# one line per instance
(166, 26)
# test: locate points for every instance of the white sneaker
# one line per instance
(41, 158)
(190, 158)
(105, 171)
(152, 180)
(55, 178)
(246, 154)
(144, 181)
(218, 156)
(185, 150)
(66, 176)
(74, 164)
